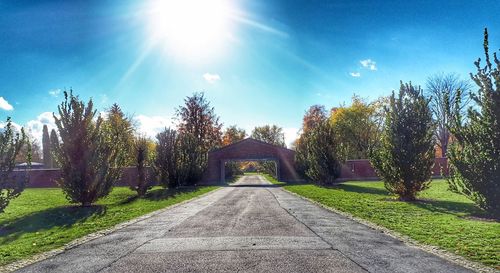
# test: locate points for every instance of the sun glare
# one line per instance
(194, 29)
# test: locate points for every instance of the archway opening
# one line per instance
(232, 168)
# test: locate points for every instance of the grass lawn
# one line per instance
(41, 219)
(441, 219)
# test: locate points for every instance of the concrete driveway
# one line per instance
(251, 226)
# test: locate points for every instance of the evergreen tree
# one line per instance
(199, 132)
(120, 131)
(141, 149)
(405, 156)
(86, 152)
(47, 154)
(54, 144)
(318, 153)
(475, 152)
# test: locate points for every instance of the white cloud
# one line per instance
(355, 74)
(5, 105)
(150, 126)
(291, 134)
(368, 63)
(15, 126)
(55, 92)
(35, 126)
(211, 78)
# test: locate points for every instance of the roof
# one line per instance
(249, 139)
(32, 164)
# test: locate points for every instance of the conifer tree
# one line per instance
(54, 144)
(86, 153)
(46, 148)
(405, 156)
(475, 152)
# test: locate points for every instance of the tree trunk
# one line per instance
(444, 149)
(407, 198)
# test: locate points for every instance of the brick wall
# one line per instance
(362, 169)
(351, 170)
(46, 178)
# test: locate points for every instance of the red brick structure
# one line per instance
(251, 149)
(248, 149)
(46, 178)
(362, 169)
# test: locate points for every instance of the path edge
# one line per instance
(442, 253)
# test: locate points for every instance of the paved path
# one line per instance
(251, 226)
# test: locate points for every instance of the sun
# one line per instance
(191, 29)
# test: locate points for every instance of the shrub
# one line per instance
(10, 146)
(475, 151)
(85, 153)
(405, 155)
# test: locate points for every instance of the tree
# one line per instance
(198, 118)
(30, 149)
(142, 159)
(120, 131)
(439, 87)
(273, 135)
(86, 153)
(199, 132)
(474, 156)
(314, 116)
(233, 134)
(356, 126)
(405, 156)
(10, 145)
(318, 153)
(270, 134)
(173, 164)
(47, 154)
(54, 144)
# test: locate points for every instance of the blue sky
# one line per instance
(266, 63)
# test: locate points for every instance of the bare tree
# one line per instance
(440, 87)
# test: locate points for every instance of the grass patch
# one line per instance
(41, 219)
(442, 218)
(233, 179)
(272, 179)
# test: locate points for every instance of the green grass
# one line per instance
(233, 179)
(41, 219)
(441, 218)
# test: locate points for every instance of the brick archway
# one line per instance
(250, 149)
